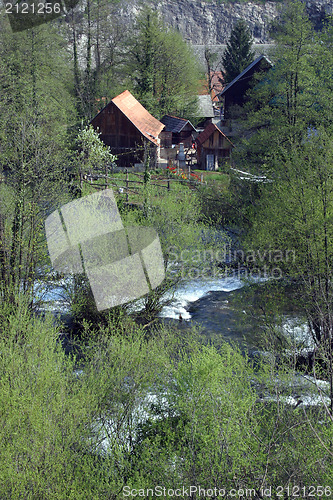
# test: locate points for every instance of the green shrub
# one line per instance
(45, 416)
(143, 410)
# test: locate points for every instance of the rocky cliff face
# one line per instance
(203, 22)
(210, 22)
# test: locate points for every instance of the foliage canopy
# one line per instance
(163, 67)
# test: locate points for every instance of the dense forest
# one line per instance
(122, 403)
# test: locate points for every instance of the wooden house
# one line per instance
(176, 130)
(213, 148)
(234, 95)
(129, 130)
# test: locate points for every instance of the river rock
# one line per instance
(225, 316)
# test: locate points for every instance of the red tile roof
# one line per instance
(209, 130)
(149, 126)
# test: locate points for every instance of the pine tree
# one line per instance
(238, 54)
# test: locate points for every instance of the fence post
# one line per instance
(81, 180)
(126, 185)
(168, 184)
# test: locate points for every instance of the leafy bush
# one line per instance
(141, 411)
(45, 416)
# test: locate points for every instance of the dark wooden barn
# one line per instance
(234, 96)
(128, 129)
(213, 148)
(176, 130)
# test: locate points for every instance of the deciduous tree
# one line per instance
(294, 147)
(163, 67)
(35, 104)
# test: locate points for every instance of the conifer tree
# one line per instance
(238, 54)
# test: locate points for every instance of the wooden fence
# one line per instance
(126, 186)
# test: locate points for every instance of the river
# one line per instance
(223, 310)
